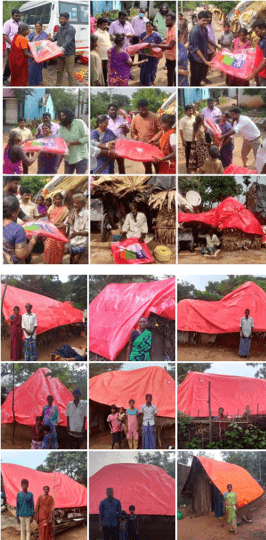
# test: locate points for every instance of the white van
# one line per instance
(48, 13)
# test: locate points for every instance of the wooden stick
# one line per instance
(210, 416)
(13, 405)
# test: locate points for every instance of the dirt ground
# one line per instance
(44, 353)
(214, 353)
(104, 441)
(23, 438)
(77, 533)
(100, 252)
(223, 257)
(161, 77)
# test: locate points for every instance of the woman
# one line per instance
(16, 335)
(139, 347)
(47, 162)
(50, 417)
(54, 249)
(14, 157)
(182, 63)
(75, 132)
(119, 63)
(44, 515)
(230, 500)
(226, 151)
(35, 70)
(148, 70)
(18, 57)
(96, 70)
(239, 44)
(103, 135)
(198, 151)
(15, 248)
(167, 165)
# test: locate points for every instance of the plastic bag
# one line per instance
(44, 50)
(131, 251)
(49, 145)
(213, 130)
(144, 48)
(44, 228)
(235, 64)
(235, 169)
(137, 150)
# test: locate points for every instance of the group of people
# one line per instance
(20, 63)
(72, 130)
(110, 62)
(127, 423)
(115, 521)
(74, 224)
(199, 46)
(146, 127)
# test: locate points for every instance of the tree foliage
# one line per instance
(261, 372)
(165, 460)
(7, 8)
(253, 462)
(154, 96)
(34, 183)
(64, 98)
(73, 464)
(98, 283)
(101, 101)
(216, 290)
(97, 368)
(211, 189)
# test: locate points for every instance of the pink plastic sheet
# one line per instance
(50, 145)
(44, 50)
(137, 150)
(236, 64)
(235, 169)
(131, 251)
(45, 229)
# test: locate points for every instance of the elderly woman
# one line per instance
(54, 249)
(103, 135)
(35, 70)
(75, 133)
(50, 417)
(230, 501)
(135, 225)
(15, 248)
(18, 57)
(16, 335)
(96, 69)
(140, 342)
(14, 157)
(78, 223)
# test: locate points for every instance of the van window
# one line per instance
(83, 14)
(40, 13)
(78, 13)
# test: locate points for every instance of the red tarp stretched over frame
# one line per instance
(227, 391)
(228, 214)
(114, 313)
(120, 386)
(68, 492)
(224, 316)
(50, 313)
(150, 488)
(31, 396)
(137, 150)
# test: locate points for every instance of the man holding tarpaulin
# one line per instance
(246, 329)
(259, 71)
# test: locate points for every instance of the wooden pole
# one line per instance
(13, 405)
(4, 292)
(210, 415)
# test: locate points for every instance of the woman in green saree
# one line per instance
(230, 500)
(139, 347)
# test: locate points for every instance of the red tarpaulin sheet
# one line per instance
(224, 316)
(228, 214)
(236, 64)
(44, 50)
(31, 396)
(49, 145)
(114, 313)
(44, 228)
(68, 492)
(137, 151)
(232, 393)
(131, 251)
(120, 386)
(235, 169)
(150, 488)
(50, 313)
(213, 130)
(143, 48)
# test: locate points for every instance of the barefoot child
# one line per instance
(132, 524)
(122, 417)
(37, 433)
(47, 438)
(123, 526)
(132, 425)
(115, 426)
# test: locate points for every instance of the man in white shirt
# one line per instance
(261, 158)
(103, 44)
(212, 243)
(29, 326)
(249, 131)
(27, 206)
(186, 131)
(211, 112)
(76, 413)
(246, 329)
(135, 225)
(78, 223)
(148, 416)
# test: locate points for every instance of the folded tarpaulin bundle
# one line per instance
(213, 129)
(131, 251)
(43, 228)
(50, 146)
(137, 150)
(144, 48)
(67, 492)
(236, 64)
(235, 169)
(44, 50)
(67, 352)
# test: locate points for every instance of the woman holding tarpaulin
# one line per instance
(44, 515)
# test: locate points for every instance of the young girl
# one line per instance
(123, 526)
(115, 426)
(132, 425)
(37, 433)
(47, 438)
(122, 417)
(42, 210)
(132, 524)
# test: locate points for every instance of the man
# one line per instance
(148, 415)
(186, 131)
(211, 112)
(212, 243)
(26, 205)
(78, 222)
(259, 70)
(249, 131)
(11, 184)
(76, 413)
(103, 44)
(65, 38)
(211, 45)
(261, 158)
(46, 118)
(246, 331)
(135, 224)
(44, 515)
(23, 131)
(122, 26)
(198, 49)
(110, 516)
(170, 48)
(10, 30)
(29, 326)
(138, 24)
(160, 20)
(24, 510)
(144, 126)
(120, 128)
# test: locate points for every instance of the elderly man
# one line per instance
(135, 225)
(250, 132)
(9, 31)
(110, 515)
(103, 44)
(24, 510)
(246, 331)
(65, 38)
(76, 413)
(78, 223)
(148, 415)
(29, 326)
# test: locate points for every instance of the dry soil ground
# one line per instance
(189, 353)
(104, 441)
(22, 437)
(223, 257)
(44, 353)
(77, 533)
(161, 77)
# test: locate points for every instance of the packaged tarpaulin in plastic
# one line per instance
(137, 150)
(43, 228)
(51, 145)
(44, 50)
(236, 64)
(144, 48)
(131, 251)
(235, 169)
(213, 129)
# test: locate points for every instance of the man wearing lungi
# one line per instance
(149, 415)
(246, 329)
(29, 325)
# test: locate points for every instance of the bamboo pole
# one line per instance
(210, 416)
(4, 292)
(13, 405)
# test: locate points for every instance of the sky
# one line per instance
(214, 454)
(26, 459)
(99, 459)
(128, 92)
(129, 366)
(201, 280)
(233, 368)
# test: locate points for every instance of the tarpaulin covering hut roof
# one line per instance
(222, 474)
(120, 386)
(67, 492)
(116, 310)
(50, 313)
(229, 214)
(148, 487)
(231, 392)
(31, 396)
(223, 316)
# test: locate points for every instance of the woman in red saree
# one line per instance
(16, 335)
(54, 249)
(167, 145)
(44, 515)
(18, 57)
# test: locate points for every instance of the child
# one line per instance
(122, 417)
(47, 437)
(132, 425)
(41, 206)
(123, 526)
(115, 426)
(49, 205)
(213, 165)
(132, 524)
(226, 38)
(37, 433)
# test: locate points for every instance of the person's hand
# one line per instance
(184, 144)
(184, 72)
(111, 144)
(62, 49)
(113, 155)
(157, 160)
(100, 528)
(136, 138)
(142, 238)
(250, 77)
(207, 63)
(73, 235)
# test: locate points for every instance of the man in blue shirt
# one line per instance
(198, 49)
(24, 510)
(110, 515)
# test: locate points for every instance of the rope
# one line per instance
(163, 254)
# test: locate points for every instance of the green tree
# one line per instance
(225, 6)
(211, 190)
(261, 372)
(34, 183)
(165, 460)
(185, 290)
(73, 464)
(154, 96)
(253, 462)
(101, 100)
(7, 8)
(97, 368)
(63, 98)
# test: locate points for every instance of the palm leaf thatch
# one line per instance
(158, 200)
(121, 185)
